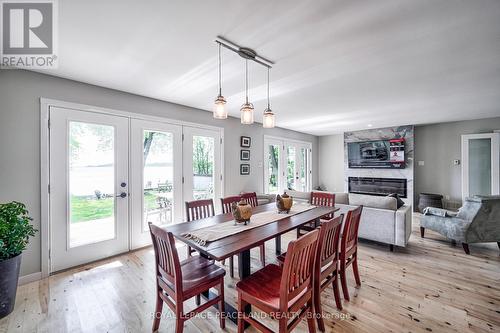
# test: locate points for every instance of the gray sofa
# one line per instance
(477, 221)
(381, 220)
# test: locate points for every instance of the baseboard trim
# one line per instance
(30, 278)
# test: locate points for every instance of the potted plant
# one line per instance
(15, 231)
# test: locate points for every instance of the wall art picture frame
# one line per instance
(244, 169)
(245, 141)
(245, 155)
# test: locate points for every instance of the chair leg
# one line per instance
(298, 233)
(310, 317)
(231, 267)
(343, 282)
(179, 320)
(391, 247)
(336, 291)
(466, 248)
(158, 313)
(498, 243)
(318, 311)
(222, 311)
(422, 232)
(241, 307)
(356, 270)
(263, 255)
(197, 300)
(282, 324)
(188, 248)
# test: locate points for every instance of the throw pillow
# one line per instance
(401, 203)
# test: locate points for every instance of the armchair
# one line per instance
(477, 221)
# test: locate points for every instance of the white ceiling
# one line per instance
(340, 65)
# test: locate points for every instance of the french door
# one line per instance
(287, 165)
(88, 186)
(155, 177)
(202, 164)
(480, 164)
(110, 175)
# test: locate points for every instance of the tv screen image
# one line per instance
(387, 154)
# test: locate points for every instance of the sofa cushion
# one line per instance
(373, 201)
(341, 198)
(299, 195)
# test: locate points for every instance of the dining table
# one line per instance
(241, 242)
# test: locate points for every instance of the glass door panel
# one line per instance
(202, 164)
(91, 183)
(302, 173)
(479, 167)
(272, 168)
(156, 173)
(203, 167)
(291, 163)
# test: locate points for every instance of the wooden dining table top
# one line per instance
(231, 245)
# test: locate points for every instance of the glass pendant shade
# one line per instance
(220, 111)
(247, 113)
(268, 119)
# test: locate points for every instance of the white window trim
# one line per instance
(45, 105)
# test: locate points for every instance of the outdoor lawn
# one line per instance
(85, 208)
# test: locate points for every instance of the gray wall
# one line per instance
(331, 162)
(438, 145)
(20, 92)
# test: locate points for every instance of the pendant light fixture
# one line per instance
(246, 108)
(220, 111)
(268, 117)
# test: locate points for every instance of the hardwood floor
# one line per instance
(429, 286)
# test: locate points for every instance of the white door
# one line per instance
(155, 177)
(480, 164)
(297, 161)
(287, 165)
(88, 186)
(202, 164)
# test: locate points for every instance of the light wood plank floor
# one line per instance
(430, 286)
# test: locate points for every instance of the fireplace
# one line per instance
(378, 186)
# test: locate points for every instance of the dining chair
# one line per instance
(178, 281)
(196, 210)
(326, 268)
(251, 198)
(282, 292)
(226, 208)
(349, 249)
(324, 199)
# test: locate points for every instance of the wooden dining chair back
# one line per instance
(170, 286)
(349, 248)
(298, 269)
(326, 270)
(166, 260)
(250, 198)
(324, 199)
(282, 293)
(199, 209)
(226, 203)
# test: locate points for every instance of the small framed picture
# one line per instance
(245, 155)
(244, 169)
(246, 141)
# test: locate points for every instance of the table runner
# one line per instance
(215, 232)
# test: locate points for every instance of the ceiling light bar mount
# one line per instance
(244, 52)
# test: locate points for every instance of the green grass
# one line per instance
(89, 208)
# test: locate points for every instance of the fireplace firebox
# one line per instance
(377, 186)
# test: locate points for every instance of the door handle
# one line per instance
(122, 195)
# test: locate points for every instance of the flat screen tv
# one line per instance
(383, 154)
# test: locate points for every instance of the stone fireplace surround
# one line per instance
(406, 132)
